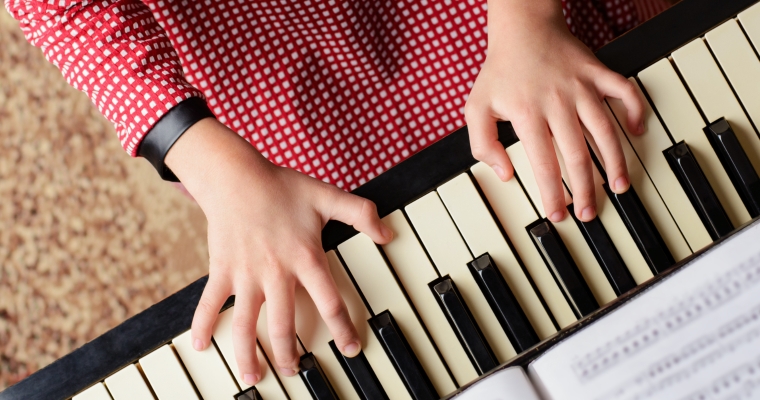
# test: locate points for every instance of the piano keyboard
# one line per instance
(476, 273)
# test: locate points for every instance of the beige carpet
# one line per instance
(88, 236)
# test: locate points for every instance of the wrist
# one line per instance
(211, 160)
(524, 21)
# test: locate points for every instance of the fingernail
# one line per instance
(288, 371)
(621, 184)
(387, 232)
(499, 171)
(198, 345)
(250, 379)
(557, 216)
(351, 349)
(588, 214)
(641, 128)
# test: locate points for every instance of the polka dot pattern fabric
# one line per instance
(340, 90)
(115, 52)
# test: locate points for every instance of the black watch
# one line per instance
(168, 129)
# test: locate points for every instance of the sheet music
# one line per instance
(694, 336)
(508, 384)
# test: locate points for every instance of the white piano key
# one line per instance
(128, 384)
(379, 287)
(450, 255)
(206, 369)
(742, 68)
(269, 387)
(649, 148)
(482, 235)
(647, 192)
(294, 385)
(371, 347)
(95, 392)
(684, 122)
(750, 21)
(415, 271)
(714, 96)
(514, 211)
(166, 376)
(614, 225)
(567, 229)
(315, 336)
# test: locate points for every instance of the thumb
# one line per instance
(361, 214)
(485, 144)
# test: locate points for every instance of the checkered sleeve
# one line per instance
(115, 52)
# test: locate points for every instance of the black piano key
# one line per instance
(460, 318)
(402, 356)
(503, 303)
(360, 374)
(698, 189)
(563, 267)
(736, 163)
(605, 253)
(642, 229)
(315, 378)
(250, 394)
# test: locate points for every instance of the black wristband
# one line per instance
(157, 142)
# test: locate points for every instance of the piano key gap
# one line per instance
(643, 167)
(654, 109)
(229, 370)
(184, 369)
(751, 44)
(413, 308)
(271, 366)
(513, 249)
(144, 378)
(728, 81)
(688, 90)
(353, 281)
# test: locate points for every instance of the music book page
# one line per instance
(508, 384)
(693, 336)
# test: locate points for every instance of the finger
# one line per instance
(281, 315)
(593, 115)
(567, 133)
(614, 85)
(359, 213)
(321, 287)
(244, 316)
(484, 141)
(536, 139)
(214, 295)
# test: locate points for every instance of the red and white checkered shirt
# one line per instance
(340, 90)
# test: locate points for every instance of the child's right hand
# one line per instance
(264, 236)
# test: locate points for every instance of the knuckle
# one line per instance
(333, 308)
(312, 258)
(206, 307)
(556, 96)
(368, 210)
(546, 170)
(585, 195)
(470, 110)
(286, 360)
(281, 331)
(479, 151)
(578, 158)
(628, 86)
(244, 328)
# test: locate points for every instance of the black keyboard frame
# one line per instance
(412, 178)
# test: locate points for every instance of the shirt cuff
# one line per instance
(160, 139)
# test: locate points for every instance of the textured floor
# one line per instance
(88, 236)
